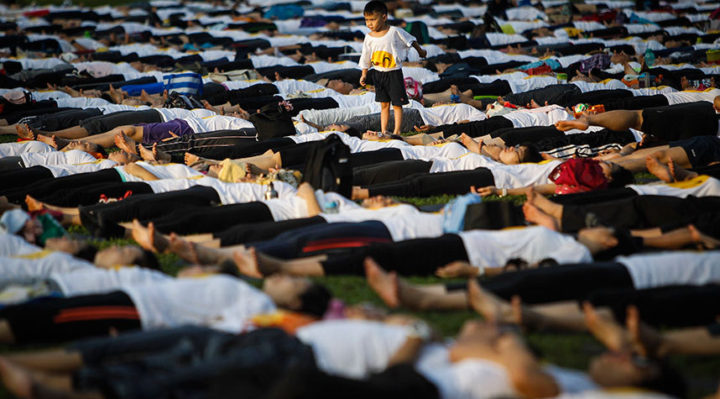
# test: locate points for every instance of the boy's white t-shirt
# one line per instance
(71, 157)
(486, 248)
(386, 53)
(673, 268)
(96, 280)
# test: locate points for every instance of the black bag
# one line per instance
(328, 166)
(273, 120)
(493, 215)
(175, 100)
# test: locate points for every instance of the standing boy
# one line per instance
(384, 49)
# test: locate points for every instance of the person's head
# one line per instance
(297, 294)
(376, 14)
(122, 157)
(83, 146)
(339, 86)
(616, 175)
(624, 369)
(17, 221)
(124, 255)
(519, 154)
(377, 202)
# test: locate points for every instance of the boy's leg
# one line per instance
(384, 116)
(398, 111)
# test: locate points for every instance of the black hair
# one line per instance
(667, 380)
(532, 153)
(87, 252)
(351, 131)
(100, 150)
(106, 97)
(515, 264)
(227, 266)
(375, 6)
(315, 300)
(620, 177)
(148, 260)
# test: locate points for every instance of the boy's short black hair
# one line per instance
(315, 300)
(375, 6)
(620, 177)
(532, 153)
(351, 131)
(668, 381)
(148, 260)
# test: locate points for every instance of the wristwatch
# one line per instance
(419, 329)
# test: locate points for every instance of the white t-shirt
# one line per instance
(31, 159)
(17, 149)
(291, 207)
(67, 169)
(163, 171)
(487, 248)
(673, 268)
(169, 114)
(450, 113)
(524, 174)
(12, 244)
(96, 280)
(352, 348)
(468, 379)
(431, 152)
(404, 222)
(39, 264)
(386, 53)
(467, 161)
(221, 302)
(701, 186)
(235, 193)
(689, 96)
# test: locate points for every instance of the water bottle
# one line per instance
(649, 58)
(271, 193)
(331, 207)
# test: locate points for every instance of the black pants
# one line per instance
(63, 119)
(104, 123)
(635, 103)
(477, 128)
(253, 232)
(594, 197)
(103, 219)
(559, 283)
(237, 96)
(639, 212)
(210, 219)
(418, 257)
(16, 187)
(388, 171)
(241, 148)
(395, 382)
(680, 121)
(523, 135)
(93, 193)
(198, 143)
(561, 94)
(429, 184)
(588, 144)
(673, 306)
(323, 239)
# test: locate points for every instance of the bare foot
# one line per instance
(680, 174)
(33, 204)
(148, 155)
(564, 126)
(541, 202)
(16, 379)
(534, 215)
(184, 249)
(247, 262)
(24, 131)
(605, 329)
(646, 340)
(469, 143)
(492, 308)
(144, 236)
(659, 169)
(703, 241)
(457, 269)
(191, 158)
(383, 283)
(125, 143)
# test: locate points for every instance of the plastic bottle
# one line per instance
(330, 207)
(649, 57)
(271, 193)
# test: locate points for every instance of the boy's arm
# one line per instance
(421, 51)
(363, 77)
(364, 62)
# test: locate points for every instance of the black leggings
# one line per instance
(237, 96)
(251, 232)
(209, 219)
(418, 257)
(323, 239)
(295, 156)
(93, 193)
(103, 219)
(198, 143)
(559, 283)
(475, 129)
(104, 123)
(388, 171)
(241, 148)
(16, 187)
(429, 184)
(639, 212)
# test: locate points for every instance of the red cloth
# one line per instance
(578, 175)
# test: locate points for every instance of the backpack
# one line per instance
(413, 88)
(458, 70)
(492, 215)
(175, 100)
(328, 166)
(187, 83)
(420, 30)
(273, 120)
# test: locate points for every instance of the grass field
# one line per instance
(568, 350)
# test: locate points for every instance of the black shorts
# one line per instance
(390, 87)
(700, 151)
(680, 121)
(55, 320)
(104, 123)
